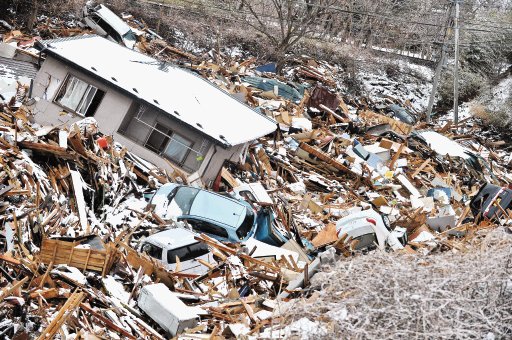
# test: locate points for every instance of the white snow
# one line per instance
(183, 95)
(501, 93)
(444, 145)
(115, 288)
(412, 83)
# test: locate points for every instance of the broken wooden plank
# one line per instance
(63, 315)
(79, 200)
(7, 291)
(48, 149)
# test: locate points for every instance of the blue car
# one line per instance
(221, 217)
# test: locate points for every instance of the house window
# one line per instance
(169, 144)
(79, 97)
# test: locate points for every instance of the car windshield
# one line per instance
(186, 253)
(246, 225)
(182, 201)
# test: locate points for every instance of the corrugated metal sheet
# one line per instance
(15, 69)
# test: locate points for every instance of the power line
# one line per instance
(334, 8)
(231, 18)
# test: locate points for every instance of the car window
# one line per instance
(209, 228)
(186, 253)
(183, 200)
(366, 241)
(152, 250)
(246, 225)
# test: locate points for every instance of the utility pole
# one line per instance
(456, 68)
(440, 65)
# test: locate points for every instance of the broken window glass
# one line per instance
(208, 228)
(152, 250)
(80, 97)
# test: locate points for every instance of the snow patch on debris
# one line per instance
(501, 93)
(303, 328)
(411, 83)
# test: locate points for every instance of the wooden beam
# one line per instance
(62, 316)
(5, 292)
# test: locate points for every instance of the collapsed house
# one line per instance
(86, 251)
(162, 113)
(16, 66)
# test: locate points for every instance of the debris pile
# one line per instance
(341, 177)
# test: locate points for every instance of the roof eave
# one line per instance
(55, 55)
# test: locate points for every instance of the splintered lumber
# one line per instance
(180, 53)
(75, 140)
(315, 153)
(151, 266)
(326, 236)
(421, 167)
(64, 313)
(49, 149)
(9, 259)
(79, 199)
(47, 293)
(214, 243)
(324, 157)
(63, 252)
(265, 161)
(5, 292)
(397, 126)
(228, 177)
(106, 321)
(334, 114)
(395, 157)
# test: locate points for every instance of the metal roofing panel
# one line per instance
(15, 69)
(182, 94)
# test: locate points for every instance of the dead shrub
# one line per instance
(392, 70)
(449, 295)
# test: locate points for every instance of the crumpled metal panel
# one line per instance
(322, 95)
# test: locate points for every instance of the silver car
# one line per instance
(221, 217)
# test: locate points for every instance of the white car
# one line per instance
(369, 229)
(168, 245)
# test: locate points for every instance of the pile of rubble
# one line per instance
(340, 177)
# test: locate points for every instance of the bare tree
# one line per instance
(283, 22)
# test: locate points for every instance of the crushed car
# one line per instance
(370, 230)
(401, 114)
(178, 246)
(107, 24)
(222, 217)
(490, 202)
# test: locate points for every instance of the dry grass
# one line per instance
(390, 296)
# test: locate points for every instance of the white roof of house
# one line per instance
(182, 94)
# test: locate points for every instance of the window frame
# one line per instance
(170, 138)
(63, 89)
